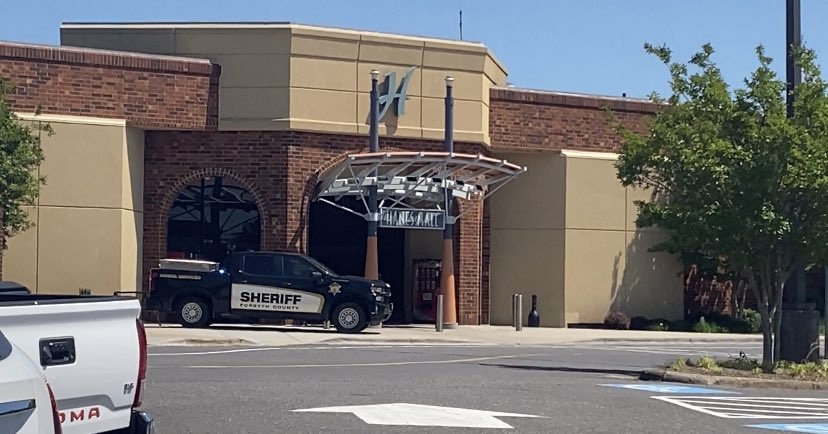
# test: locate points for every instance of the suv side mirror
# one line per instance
(317, 276)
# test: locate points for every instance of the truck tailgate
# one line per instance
(95, 387)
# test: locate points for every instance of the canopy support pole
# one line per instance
(447, 286)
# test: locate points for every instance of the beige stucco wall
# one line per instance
(289, 76)
(527, 240)
(608, 265)
(565, 230)
(88, 220)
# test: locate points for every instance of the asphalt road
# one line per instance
(258, 390)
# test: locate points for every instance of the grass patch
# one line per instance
(743, 366)
(678, 364)
(818, 370)
(748, 321)
(708, 364)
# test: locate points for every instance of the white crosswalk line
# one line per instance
(747, 407)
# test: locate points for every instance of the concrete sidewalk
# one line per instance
(275, 336)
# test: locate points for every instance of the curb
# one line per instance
(195, 342)
(711, 380)
(747, 338)
(395, 341)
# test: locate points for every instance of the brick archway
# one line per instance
(155, 247)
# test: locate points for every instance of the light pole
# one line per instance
(371, 253)
(799, 330)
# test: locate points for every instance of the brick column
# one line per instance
(485, 266)
(469, 260)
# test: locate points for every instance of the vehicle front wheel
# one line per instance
(349, 317)
(193, 312)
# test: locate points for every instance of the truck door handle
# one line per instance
(57, 351)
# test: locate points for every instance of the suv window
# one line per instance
(262, 265)
(298, 268)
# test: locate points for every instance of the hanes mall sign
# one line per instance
(405, 218)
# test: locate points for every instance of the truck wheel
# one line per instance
(349, 317)
(193, 312)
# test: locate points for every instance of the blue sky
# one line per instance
(588, 46)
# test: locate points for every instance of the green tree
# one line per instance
(20, 159)
(733, 178)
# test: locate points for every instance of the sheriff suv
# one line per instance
(250, 286)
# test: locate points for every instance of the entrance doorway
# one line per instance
(337, 239)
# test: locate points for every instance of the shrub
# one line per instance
(617, 321)
(752, 320)
(658, 327)
(642, 323)
(742, 363)
(681, 326)
(708, 327)
(639, 323)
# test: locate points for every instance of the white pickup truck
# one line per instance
(92, 352)
(27, 405)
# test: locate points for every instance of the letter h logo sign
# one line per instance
(392, 92)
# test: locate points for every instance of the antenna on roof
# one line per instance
(460, 6)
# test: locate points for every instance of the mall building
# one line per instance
(193, 140)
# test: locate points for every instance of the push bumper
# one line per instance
(381, 313)
(141, 423)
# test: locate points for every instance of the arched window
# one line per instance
(211, 218)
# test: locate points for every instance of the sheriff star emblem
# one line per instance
(334, 288)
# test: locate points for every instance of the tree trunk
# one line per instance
(761, 293)
(779, 285)
(777, 330)
(767, 341)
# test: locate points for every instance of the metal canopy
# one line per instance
(419, 178)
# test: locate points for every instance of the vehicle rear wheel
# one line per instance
(194, 312)
(349, 317)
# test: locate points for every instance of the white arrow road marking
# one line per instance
(422, 415)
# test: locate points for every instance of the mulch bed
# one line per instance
(727, 372)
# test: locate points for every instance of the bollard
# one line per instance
(519, 315)
(326, 325)
(439, 322)
(534, 317)
(514, 309)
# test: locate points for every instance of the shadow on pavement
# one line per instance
(290, 329)
(627, 372)
(269, 328)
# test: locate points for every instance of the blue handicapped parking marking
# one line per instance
(661, 388)
(816, 428)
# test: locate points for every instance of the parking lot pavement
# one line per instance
(573, 388)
